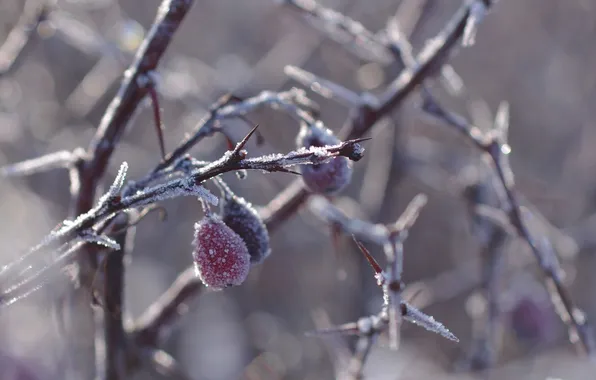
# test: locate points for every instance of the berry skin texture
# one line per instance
(330, 177)
(243, 219)
(220, 255)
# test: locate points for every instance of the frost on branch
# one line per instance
(172, 189)
(118, 182)
(103, 240)
(415, 316)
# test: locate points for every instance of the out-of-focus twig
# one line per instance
(23, 35)
(365, 116)
(487, 335)
(342, 29)
(56, 160)
(495, 146)
(154, 322)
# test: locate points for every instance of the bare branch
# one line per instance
(494, 145)
(23, 35)
(151, 326)
(57, 160)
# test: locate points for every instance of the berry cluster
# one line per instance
(226, 246)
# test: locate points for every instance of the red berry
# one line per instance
(220, 255)
(329, 177)
(243, 219)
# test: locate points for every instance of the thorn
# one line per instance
(157, 118)
(371, 260)
(292, 172)
(229, 142)
(243, 142)
(358, 140)
(260, 138)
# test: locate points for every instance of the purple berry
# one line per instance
(327, 178)
(531, 321)
(243, 219)
(220, 255)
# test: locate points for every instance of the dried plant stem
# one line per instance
(95, 161)
(495, 147)
(363, 118)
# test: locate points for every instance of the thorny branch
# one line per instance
(428, 62)
(179, 174)
(364, 116)
(495, 146)
(390, 238)
(117, 199)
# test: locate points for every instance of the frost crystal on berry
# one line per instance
(329, 177)
(220, 255)
(243, 219)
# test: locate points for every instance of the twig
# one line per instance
(115, 200)
(486, 339)
(57, 160)
(23, 35)
(494, 145)
(115, 342)
(343, 30)
(364, 117)
(155, 321)
(92, 169)
(231, 107)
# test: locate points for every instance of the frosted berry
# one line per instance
(220, 255)
(243, 219)
(327, 178)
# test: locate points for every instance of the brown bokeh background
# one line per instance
(536, 54)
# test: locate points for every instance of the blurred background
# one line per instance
(536, 54)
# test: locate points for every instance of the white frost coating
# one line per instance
(220, 256)
(205, 194)
(100, 240)
(169, 190)
(116, 185)
(417, 317)
(315, 134)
